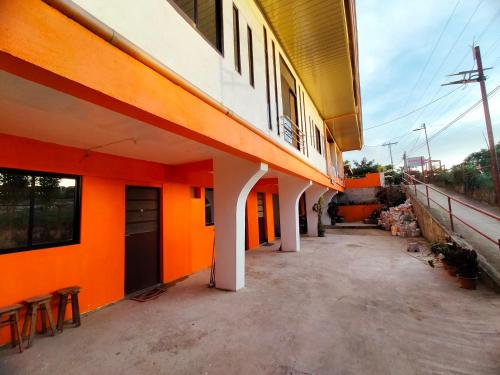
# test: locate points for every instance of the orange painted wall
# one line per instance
(370, 180)
(97, 263)
(268, 187)
(357, 212)
(187, 242)
(252, 221)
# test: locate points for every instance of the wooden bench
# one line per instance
(12, 314)
(34, 304)
(72, 293)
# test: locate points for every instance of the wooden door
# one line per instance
(142, 238)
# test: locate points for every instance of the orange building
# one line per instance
(128, 148)
(360, 196)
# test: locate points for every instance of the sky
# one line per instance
(406, 49)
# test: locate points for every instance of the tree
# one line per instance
(347, 168)
(481, 160)
(364, 166)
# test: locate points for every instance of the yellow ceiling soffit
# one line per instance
(319, 38)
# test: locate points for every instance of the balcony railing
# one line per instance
(291, 133)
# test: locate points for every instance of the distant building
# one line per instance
(359, 198)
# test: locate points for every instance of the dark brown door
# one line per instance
(261, 210)
(302, 214)
(142, 238)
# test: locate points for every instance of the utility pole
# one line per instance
(424, 128)
(478, 76)
(390, 151)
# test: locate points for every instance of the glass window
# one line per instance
(289, 102)
(207, 20)
(250, 56)
(268, 94)
(209, 206)
(188, 7)
(14, 210)
(318, 139)
(206, 16)
(38, 210)
(236, 39)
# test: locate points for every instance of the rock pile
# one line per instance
(400, 220)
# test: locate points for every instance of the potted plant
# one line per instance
(448, 253)
(318, 208)
(468, 269)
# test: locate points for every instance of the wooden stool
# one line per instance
(12, 313)
(42, 302)
(64, 294)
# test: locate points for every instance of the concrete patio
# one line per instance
(353, 302)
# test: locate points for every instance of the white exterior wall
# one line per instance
(158, 28)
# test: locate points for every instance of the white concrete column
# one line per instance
(328, 197)
(233, 180)
(290, 190)
(312, 196)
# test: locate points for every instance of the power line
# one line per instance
(411, 112)
(454, 44)
(432, 54)
(439, 112)
(478, 39)
(415, 144)
(490, 48)
(450, 50)
(432, 115)
(459, 117)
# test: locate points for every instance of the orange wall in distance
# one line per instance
(370, 180)
(268, 187)
(252, 221)
(270, 214)
(357, 212)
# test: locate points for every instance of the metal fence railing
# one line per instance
(411, 181)
(291, 133)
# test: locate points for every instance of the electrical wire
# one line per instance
(478, 39)
(411, 112)
(414, 144)
(459, 117)
(431, 54)
(491, 47)
(450, 50)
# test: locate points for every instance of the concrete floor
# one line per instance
(350, 303)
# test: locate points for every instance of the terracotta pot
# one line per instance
(452, 270)
(468, 282)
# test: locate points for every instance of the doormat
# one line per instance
(150, 294)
